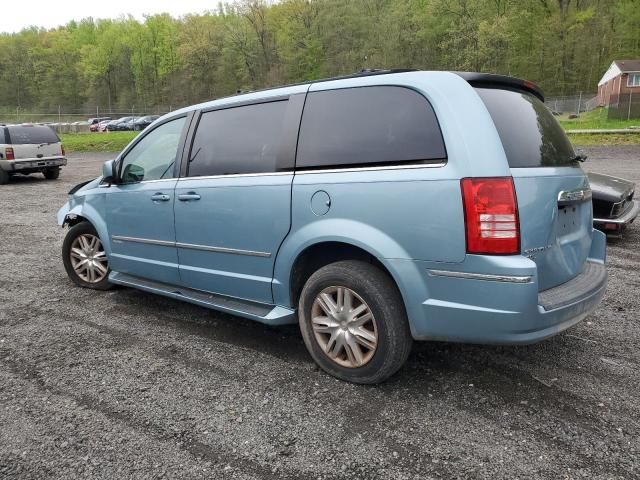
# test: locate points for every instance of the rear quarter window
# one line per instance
(21, 135)
(530, 134)
(365, 126)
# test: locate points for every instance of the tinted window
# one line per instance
(153, 157)
(530, 134)
(21, 134)
(238, 140)
(368, 125)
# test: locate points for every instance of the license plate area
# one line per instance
(568, 220)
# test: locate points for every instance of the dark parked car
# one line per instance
(143, 122)
(121, 124)
(613, 205)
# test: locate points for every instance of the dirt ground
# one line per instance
(125, 384)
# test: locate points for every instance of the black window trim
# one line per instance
(285, 161)
(390, 165)
(188, 116)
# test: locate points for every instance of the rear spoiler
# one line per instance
(491, 80)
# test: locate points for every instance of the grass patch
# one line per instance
(604, 139)
(596, 119)
(96, 142)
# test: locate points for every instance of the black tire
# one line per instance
(74, 232)
(381, 295)
(51, 173)
(4, 177)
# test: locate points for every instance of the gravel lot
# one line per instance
(125, 384)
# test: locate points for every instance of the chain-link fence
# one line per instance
(75, 117)
(576, 104)
(625, 106)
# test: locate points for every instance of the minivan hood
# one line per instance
(608, 188)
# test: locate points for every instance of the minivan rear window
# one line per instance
(530, 134)
(23, 134)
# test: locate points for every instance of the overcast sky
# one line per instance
(18, 14)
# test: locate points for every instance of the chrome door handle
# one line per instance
(160, 197)
(188, 197)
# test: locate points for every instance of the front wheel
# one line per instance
(354, 323)
(84, 257)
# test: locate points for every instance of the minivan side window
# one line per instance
(153, 157)
(238, 140)
(368, 126)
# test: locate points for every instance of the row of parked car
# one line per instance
(107, 124)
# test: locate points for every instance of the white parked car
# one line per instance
(26, 149)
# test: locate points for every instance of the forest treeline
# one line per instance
(563, 45)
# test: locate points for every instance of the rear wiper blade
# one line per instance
(578, 158)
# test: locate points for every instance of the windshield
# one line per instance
(22, 134)
(530, 134)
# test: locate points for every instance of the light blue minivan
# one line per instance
(373, 209)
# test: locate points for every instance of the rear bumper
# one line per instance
(32, 164)
(504, 307)
(621, 222)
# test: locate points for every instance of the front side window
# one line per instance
(238, 140)
(368, 126)
(153, 157)
(634, 80)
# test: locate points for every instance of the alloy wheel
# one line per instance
(344, 326)
(88, 258)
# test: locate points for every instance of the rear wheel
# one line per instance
(84, 257)
(354, 323)
(51, 173)
(4, 177)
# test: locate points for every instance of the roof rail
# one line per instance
(366, 72)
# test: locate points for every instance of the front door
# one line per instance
(233, 207)
(140, 207)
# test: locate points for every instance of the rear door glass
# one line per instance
(24, 135)
(238, 140)
(530, 134)
(368, 126)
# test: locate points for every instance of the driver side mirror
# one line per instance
(109, 172)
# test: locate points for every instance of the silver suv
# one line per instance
(26, 149)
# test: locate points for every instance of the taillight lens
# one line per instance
(491, 216)
(8, 154)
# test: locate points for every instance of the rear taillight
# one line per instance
(491, 216)
(8, 154)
